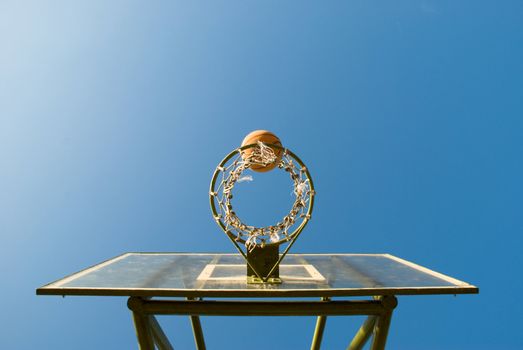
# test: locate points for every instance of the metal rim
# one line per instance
(220, 170)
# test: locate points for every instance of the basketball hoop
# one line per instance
(269, 238)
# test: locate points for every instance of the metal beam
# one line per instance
(261, 308)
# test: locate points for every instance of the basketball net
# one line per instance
(231, 170)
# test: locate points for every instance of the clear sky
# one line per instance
(409, 114)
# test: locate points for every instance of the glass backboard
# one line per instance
(223, 275)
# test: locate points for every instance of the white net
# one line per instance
(230, 171)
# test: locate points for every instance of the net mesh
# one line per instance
(230, 172)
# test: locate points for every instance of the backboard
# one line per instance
(223, 275)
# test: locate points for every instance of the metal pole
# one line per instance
(318, 331)
(381, 329)
(142, 325)
(197, 330)
(363, 334)
(198, 333)
(161, 340)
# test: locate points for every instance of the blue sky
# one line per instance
(409, 115)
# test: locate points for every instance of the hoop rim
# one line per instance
(219, 169)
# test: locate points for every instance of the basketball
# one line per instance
(265, 137)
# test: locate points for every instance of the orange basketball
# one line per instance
(265, 137)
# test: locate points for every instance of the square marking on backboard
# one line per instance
(237, 273)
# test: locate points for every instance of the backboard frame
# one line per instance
(57, 287)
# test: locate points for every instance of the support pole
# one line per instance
(142, 325)
(161, 340)
(363, 334)
(318, 331)
(381, 329)
(197, 331)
